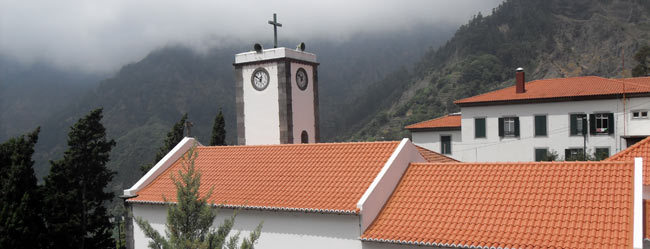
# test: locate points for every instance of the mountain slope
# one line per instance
(548, 38)
(145, 98)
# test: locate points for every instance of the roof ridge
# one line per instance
(428, 120)
(628, 149)
(308, 144)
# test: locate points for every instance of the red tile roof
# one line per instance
(448, 121)
(434, 157)
(562, 89)
(640, 149)
(315, 177)
(510, 205)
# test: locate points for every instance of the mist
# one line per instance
(100, 36)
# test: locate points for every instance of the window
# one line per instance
(540, 125)
(601, 123)
(574, 154)
(509, 127)
(445, 145)
(304, 137)
(541, 154)
(639, 114)
(578, 124)
(479, 127)
(601, 153)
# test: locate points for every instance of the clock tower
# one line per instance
(277, 96)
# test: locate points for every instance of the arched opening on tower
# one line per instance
(304, 137)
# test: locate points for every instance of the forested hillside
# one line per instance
(548, 39)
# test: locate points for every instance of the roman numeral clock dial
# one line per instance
(260, 79)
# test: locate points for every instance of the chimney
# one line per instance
(521, 80)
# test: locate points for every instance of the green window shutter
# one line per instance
(601, 153)
(445, 144)
(540, 154)
(540, 126)
(610, 126)
(567, 155)
(516, 126)
(479, 127)
(592, 124)
(500, 127)
(574, 124)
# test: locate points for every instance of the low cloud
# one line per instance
(100, 36)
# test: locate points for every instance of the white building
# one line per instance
(440, 134)
(528, 121)
(386, 194)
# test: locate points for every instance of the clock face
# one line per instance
(260, 79)
(301, 78)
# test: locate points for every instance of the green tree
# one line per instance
(21, 224)
(218, 131)
(173, 138)
(643, 58)
(189, 221)
(74, 196)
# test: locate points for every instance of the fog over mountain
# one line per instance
(100, 36)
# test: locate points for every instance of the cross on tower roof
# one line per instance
(275, 24)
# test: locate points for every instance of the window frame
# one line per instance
(484, 127)
(579, 149)
(442, 151)
(639, 112)
(545, 125)
(583, 128)
(506, 121)
(609, 152)
(535, 152)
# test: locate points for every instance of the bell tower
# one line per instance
(277, 96)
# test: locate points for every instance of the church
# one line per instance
(390, 194)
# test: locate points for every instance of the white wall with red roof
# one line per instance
(494, 148)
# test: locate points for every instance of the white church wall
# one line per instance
(302, 104)
(382, 186)
(261, 128)
(522, 148)
(280, 229)
(431, 140)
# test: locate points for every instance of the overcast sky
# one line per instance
(102, 35)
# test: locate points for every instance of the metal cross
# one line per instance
(275, 24)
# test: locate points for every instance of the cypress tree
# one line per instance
(174, 136)
(21, 224)
(189, 221)
(74, 196)
(218, 131)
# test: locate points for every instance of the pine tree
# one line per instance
(189, 221)
(173, 138)
(74, 196)
(218, 131)
(643, 58)
(21, 224)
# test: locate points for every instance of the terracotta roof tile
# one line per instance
(510, 205)
(563, 88)
(321, 177)
(640, 149)
(434, 157)
(448, 121)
